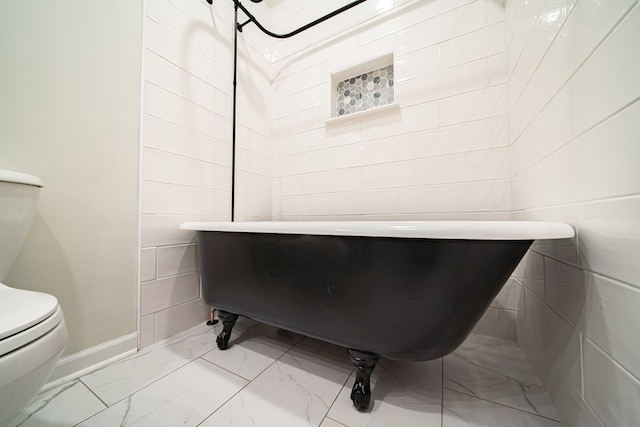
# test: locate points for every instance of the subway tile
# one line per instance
(479, 44)
(613, 61)
(147, 264)
(318, 95)
(587, 25)
(163, 293)
(458, 138)
(164, 167)
(463, 197)
(402, 174)
(301, 121)
(181, 317)
(550, 130)
(476, 166)
(411, 119)
(447, 25)
(216, 126)
(365, 153)
(175, 260)
(608, 239)
(457, 80)
(333, 181)
(182, 141)
(364, 202)
(149, 197)
(477, 105)
(194, 30)
(610, 390)
(182, 200)
(473, 216)
(185, 85)
(448, 5)
(417, 63)
(151, 67)
(150, 131)
(507, 324)
(147, 331)
(215, 75)
(152, 9)
(502, 196)
(496, 12)
(161, 230)
(565, 290)
(552, 346)
(609, 319)
(251, 183)
(167, 106)
(510, 296)
(497, 67)
(488, 323)
(304, 205)
(532, 273)
(166, 45)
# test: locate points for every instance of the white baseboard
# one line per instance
(86, 361)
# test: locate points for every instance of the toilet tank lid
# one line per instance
(21, 309)
(19, 178)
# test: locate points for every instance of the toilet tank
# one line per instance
(18, 200)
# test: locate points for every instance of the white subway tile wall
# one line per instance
(574, 112)
(509, 109)
(186, 162)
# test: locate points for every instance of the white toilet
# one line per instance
(32, 328)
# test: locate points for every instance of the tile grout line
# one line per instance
(442, 392)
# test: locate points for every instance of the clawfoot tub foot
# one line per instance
(228, 321)
(361, 391)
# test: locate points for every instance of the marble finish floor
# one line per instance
(267, 378)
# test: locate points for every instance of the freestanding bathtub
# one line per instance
(401, 290)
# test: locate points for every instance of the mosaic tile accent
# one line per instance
(368, 90)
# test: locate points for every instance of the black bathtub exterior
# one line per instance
(400, 298)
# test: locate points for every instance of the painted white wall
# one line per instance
(573, 133)
(69, 113)
(186, 166)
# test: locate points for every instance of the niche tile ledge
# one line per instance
(361, 114)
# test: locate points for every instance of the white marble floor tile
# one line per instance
(183, 398)
(297, 390)
(402, 393)
(328, 422)
(496, 370)
(461, 410)
(127, 376)
(252, 352)
(66, 405)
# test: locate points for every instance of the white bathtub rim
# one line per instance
(463, 230)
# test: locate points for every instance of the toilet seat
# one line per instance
(25, 316)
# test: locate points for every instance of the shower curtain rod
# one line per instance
(238, 27)
(253, 19)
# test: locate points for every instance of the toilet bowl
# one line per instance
(33, 333)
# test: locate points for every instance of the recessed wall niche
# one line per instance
(362, 89)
